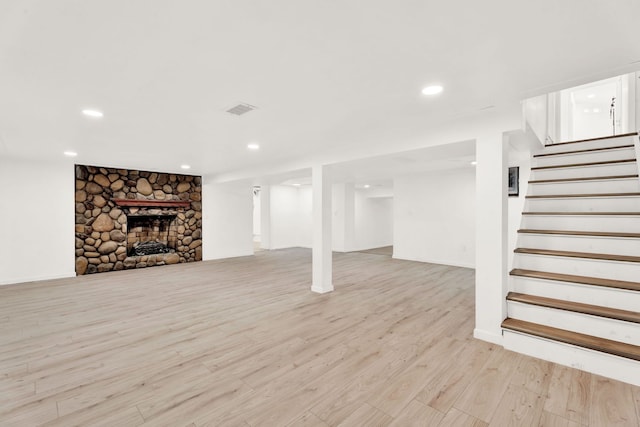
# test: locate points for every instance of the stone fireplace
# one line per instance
(134, 219)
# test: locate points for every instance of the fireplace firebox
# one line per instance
(151, 234)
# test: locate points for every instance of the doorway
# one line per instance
(595, 109)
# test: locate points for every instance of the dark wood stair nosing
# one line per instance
(575, 307)
(579, 165)
(583, 255)
(603, 345)
(589, 150)
(581, 280)
(623, 135)
(580, 233)
(578, 195)
(590, 178)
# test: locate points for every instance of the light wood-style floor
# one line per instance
(244, 342)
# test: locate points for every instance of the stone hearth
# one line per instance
(117, 209)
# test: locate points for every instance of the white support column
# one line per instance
(491, 237)
(265, 217)
(322, 262)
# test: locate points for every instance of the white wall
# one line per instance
(434, 217)
(38, 221)
(227, 226)
(291, 217)
(516, 205)
(535, 112)
(373, 221)
(339, 225)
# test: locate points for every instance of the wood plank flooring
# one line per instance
(243, 342)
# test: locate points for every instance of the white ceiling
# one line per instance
(327, 77)
(379, 171)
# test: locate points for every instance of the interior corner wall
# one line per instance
(338, 225)
(373, 224)
(38, 217)
(434, 217)
(227, 226)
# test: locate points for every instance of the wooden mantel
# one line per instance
(152, 203)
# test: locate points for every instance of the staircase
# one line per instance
(574, 292)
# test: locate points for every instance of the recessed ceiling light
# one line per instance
(296, 185)
(185, 166)
(432, 90)
(591, 95)
(586, 110)
(596, 110)
(93, 113)
(70, 153)
(367, 186)
(474, 163)
(253, 146)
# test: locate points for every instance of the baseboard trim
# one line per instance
(435, 261)
(488, 336)
(29, 279)
(213, 257)
(320, 290)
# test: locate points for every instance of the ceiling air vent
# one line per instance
(241, 109)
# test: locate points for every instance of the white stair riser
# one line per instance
(586, 187)
(612, 223)
(619, 368)
(591, 156)
(585, 171)
(584, 204)
(587, 294)
(588, 145)
(596, 326)
(616, 270)
(604, 245)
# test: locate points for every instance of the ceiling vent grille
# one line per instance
(241, 109)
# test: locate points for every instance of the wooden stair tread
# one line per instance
(590, 178)
(604, 345)
(571, 254)
(570, 278)
(566, 196)
(584, 213)
(580, 233)
(590, 150)
(576, 165)
(594, 310)
(593, 139)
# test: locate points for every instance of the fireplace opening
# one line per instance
(151, 234)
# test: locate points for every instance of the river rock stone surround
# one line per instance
(106, 197)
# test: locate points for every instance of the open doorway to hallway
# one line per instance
(596, 109)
